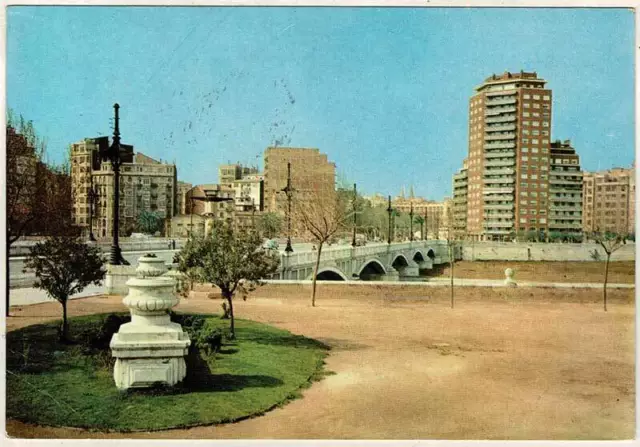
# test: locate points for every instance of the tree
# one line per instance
(234, 261)
(269, 224)
(63, 267)
(321, 216)
(149, 222)
(610, 243)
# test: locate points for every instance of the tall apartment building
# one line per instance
(609, 201)
(565, 191)
(229, 173)
(459, 201)
(145, 185)
(311, 173)
(509, 156)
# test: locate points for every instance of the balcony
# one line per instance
(500, 181)
(503, 215)
(500, 154)
(499, 145)
(571, 218)
(499, 207)
(566, 199)
(563, 189)
(500, 128)
(502, 93)
(501, 101)
(498, 163)
(503, 171)
(499, 110)
(501, 119)
(497, 190)
(496, 231)
(497, 198)
(575, 226)
(576, 182)
(501, 136)
(574, 208)
(496, 224)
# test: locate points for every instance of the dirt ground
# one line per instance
(504, 364)
(619, 271)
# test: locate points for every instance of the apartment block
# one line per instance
(459, 201)
(181, 196)
(145, 185)
(311, 173)
(565, 191)
(609, 201)
(435, 214)
(508, 159)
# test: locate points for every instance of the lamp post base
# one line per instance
(115, 256)
(289, 248)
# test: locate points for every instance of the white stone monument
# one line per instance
(509, 282)
(150, 350)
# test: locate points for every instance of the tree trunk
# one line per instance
(315, 276)
(606, 276)
(7, 285)
(452, 261)
(64, 335)
(232, 331)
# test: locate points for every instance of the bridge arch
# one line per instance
(371, 267)
(399, 261)
(418, 256)
(329, 274)
(431, 253)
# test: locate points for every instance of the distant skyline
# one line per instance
(383, 91)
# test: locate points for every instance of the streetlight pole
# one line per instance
(411, 223)
(389, 210)
(426, 226)
(288, 191)
(355, 197)
(113, 155)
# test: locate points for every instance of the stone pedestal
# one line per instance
(150, 349)
(509, 282)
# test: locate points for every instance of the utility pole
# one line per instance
(355, 197)
(389, 210)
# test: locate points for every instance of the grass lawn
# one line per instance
(50, 383)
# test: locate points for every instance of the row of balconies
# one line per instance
(496, 163)
(497, 224)
(500, 154)
(499, 110)
(496, 231)
(496, 215)
(574, 225)
(501, 101)
(502, 93)
(497, 190)
(500, 128)
(500, 180)
(500, 145)
(499, 171)
(501, 119)
(577, 189)
(497, 197)
(499, 206)
(556, 199)
(500, 136)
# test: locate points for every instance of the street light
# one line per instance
(426, 226)
(114, 154)
(288, 190)
(355, 197)
(389, 210)
(94, 197)
(411, 223)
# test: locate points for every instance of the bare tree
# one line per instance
(320, 215)
(610, 243)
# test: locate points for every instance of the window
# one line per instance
(534, 141)
(543, 219)
(522, 210)
(536, 123)
(546, 97)
(536, 132)
(536, 106)
(527, 96)
(545, 124)
(536, 114)
(526, 105)
(534, 150)
(523, 220)
(523, 176)
(525, 114)
(536, 96)
(525, 132)
(525, 158)
(525, 149)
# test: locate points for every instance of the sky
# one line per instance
(383, 91)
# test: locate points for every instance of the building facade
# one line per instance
(459, 201)
(181, 196)
(509, 164)
(311, 174)
(145, 185)
(609, 201)
(565, 191)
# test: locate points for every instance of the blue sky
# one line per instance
(383, 92)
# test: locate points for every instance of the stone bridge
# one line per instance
(373, 261)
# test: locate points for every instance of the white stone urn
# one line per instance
(509, 282)
(150, 349)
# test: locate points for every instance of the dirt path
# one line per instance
(495, 367)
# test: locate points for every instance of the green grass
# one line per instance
(50, 383)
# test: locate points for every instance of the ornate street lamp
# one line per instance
(411, 223)
(389, 210)
(94, 198)
(355, 197)
(114, 154)
(288, 190)
(426, 226)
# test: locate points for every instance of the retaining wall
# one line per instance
(509, 251)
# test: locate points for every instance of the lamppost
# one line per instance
(288, 190)
(113, 154)
(389, 210)
(94, 197)
(411, 223)
(426, 224)
(355, 197)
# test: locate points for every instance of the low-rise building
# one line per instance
(609, 201)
